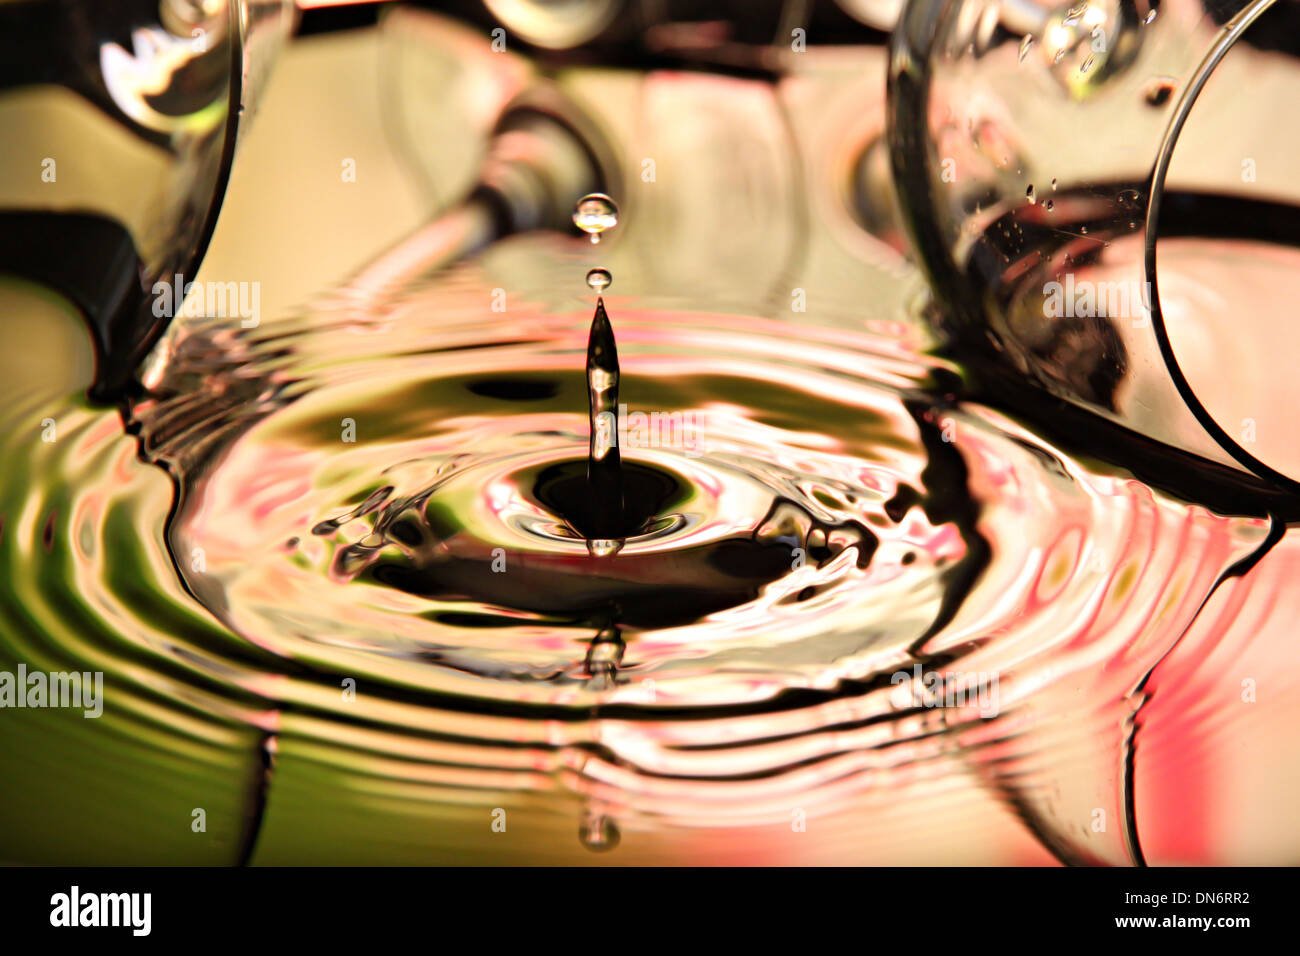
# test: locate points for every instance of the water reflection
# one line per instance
(229, 639)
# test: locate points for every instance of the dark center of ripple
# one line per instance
(437, 558)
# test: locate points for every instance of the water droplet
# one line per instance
(604, 547)
(598, 833)
(1029, 194)
(1151, 15)
(598, 280)
(1053, 184)
(1048, 205)
(595, 213)
(1058, 55)
(1086, 65)
(1129, 197)
(1025, 46)
(1159, 90)
(1084, 230)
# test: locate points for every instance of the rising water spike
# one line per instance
(604, 465)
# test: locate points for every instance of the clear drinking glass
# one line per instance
(1103, 195)
(120, 123)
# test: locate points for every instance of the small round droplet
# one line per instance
(598, 280)
(1048, 205)
(595, 213)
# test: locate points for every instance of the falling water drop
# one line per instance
(1025, 46)
(1029, 194)
(595, 213)
(598, 280)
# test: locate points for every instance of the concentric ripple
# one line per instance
(780, 499)
(847, 589)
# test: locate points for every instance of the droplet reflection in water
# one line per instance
(595, 213)
(599, 833)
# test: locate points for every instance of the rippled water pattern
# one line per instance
(305, 634)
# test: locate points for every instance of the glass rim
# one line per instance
(1228, 36)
